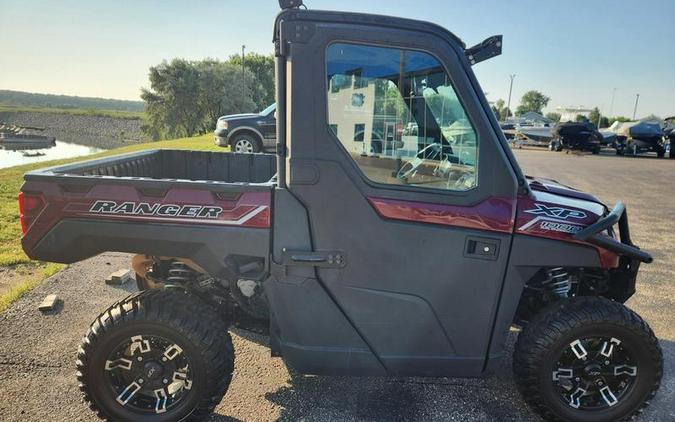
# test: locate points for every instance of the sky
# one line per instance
(576, 52)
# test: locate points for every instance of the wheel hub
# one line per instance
(244, 146)
(593, 370)
(594, 373)
(153, 370)
(148, 374)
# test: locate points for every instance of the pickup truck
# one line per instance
(249, 133)
(411, 261)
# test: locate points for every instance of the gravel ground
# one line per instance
(94, 131)
(37, 352)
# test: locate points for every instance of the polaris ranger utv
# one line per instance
(398, 263)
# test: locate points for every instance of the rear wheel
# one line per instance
(246, 143)
(587, 359)
(159, 355)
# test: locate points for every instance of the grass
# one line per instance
(130, 115)
(11, 253)
(29, 276)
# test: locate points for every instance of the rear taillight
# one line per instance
(29, 208)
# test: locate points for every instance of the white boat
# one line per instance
(530, 129)
(540, 134)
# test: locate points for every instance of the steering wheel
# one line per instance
(430, 152)
(443, 169)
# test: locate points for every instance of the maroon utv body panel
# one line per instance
(178, 191)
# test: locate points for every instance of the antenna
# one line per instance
(290, 4)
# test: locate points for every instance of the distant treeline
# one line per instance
(27, 99)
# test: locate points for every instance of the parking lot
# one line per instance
(37, 352)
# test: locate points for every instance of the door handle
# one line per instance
(481, 248)
(324, 259)
(308, 258)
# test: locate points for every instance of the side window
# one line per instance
(398, 116)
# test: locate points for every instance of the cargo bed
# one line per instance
(189, 204)
(169, 166)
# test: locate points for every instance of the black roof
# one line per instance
(365, 19)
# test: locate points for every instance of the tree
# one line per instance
(532, 101)
(500, 110)
(619, 119)
(173, 101)
(594, 116)
(495, 110)
(220, 91)
(187, 97)
(553, 116)
(580, 118)
(506, 113)
(261, 67)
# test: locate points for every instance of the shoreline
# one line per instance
(93, 131)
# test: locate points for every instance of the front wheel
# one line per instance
(587, 359)
(246, 144)
(157, 356)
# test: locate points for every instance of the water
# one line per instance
(9, 158)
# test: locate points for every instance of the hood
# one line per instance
(238, 116)
(540, 184)
(556, 211)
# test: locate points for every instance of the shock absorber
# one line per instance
(179, 273)
(557, 283)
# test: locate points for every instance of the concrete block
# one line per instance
(49, 303)
(119, 277)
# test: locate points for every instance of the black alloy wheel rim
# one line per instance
(594, 373)
(149, 374)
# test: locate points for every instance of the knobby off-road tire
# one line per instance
(169, 340)
(552, 337)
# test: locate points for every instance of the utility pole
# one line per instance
(637, 98)
(243, 74)
(508, 103)
(611, 106)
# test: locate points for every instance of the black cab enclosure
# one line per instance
(405, 297)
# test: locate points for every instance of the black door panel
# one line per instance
(420, 303)
(423, 307)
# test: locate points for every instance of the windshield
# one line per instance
(269, 109)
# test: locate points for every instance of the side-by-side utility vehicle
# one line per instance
(406, 261)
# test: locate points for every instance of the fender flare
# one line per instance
(236, 131)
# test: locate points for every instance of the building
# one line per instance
(569, 114)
